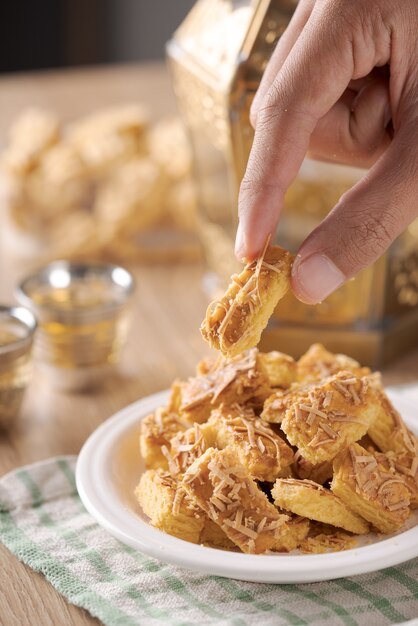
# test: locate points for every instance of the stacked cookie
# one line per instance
(263, 453)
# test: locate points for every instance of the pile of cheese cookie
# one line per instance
(109, 185)
(259, 452)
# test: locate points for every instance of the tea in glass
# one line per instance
(17, 326)
(83, 312)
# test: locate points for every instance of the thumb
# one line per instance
(363, 224)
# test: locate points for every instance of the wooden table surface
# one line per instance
(164, 341)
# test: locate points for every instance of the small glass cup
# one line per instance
(83, 315)
(17, 327)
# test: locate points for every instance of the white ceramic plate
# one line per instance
(109, 468)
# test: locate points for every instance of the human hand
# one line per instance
(342, 85)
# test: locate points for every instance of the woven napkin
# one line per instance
(43, 522)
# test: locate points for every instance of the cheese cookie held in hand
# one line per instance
(235, 322)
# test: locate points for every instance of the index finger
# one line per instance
(283, 47)
(313, 77)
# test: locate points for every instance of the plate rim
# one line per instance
(138, 534)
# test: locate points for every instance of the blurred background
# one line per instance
(43, 34)
(108, 156)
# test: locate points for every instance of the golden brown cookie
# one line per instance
(109, 137)
(156, 431)
(293, 535)
(388, 431)
(241, 380)
(129, 201)
(280, 401)
(280, 368)
(402, 463)
(304, 469)
(57, 186)
(323, 539)
(220, 485)
(185, 447)
(181, 205)
(330, 415)
(368, 488)
(263, 453)
(207, 364)
(318, 363)
(30, 136)
(169, 507)
(75, 237)
(304, 497)
(169, 147)
(213, 536)
(235, 322)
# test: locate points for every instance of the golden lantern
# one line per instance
(217, 58)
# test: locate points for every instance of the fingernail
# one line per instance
(239, 242)
(316, 277)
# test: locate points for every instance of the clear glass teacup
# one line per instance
(17, 328)
(83, 316)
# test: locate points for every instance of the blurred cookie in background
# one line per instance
(107, 186)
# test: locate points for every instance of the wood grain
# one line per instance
(164, 342)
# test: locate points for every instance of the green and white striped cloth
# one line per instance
(43, 522)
